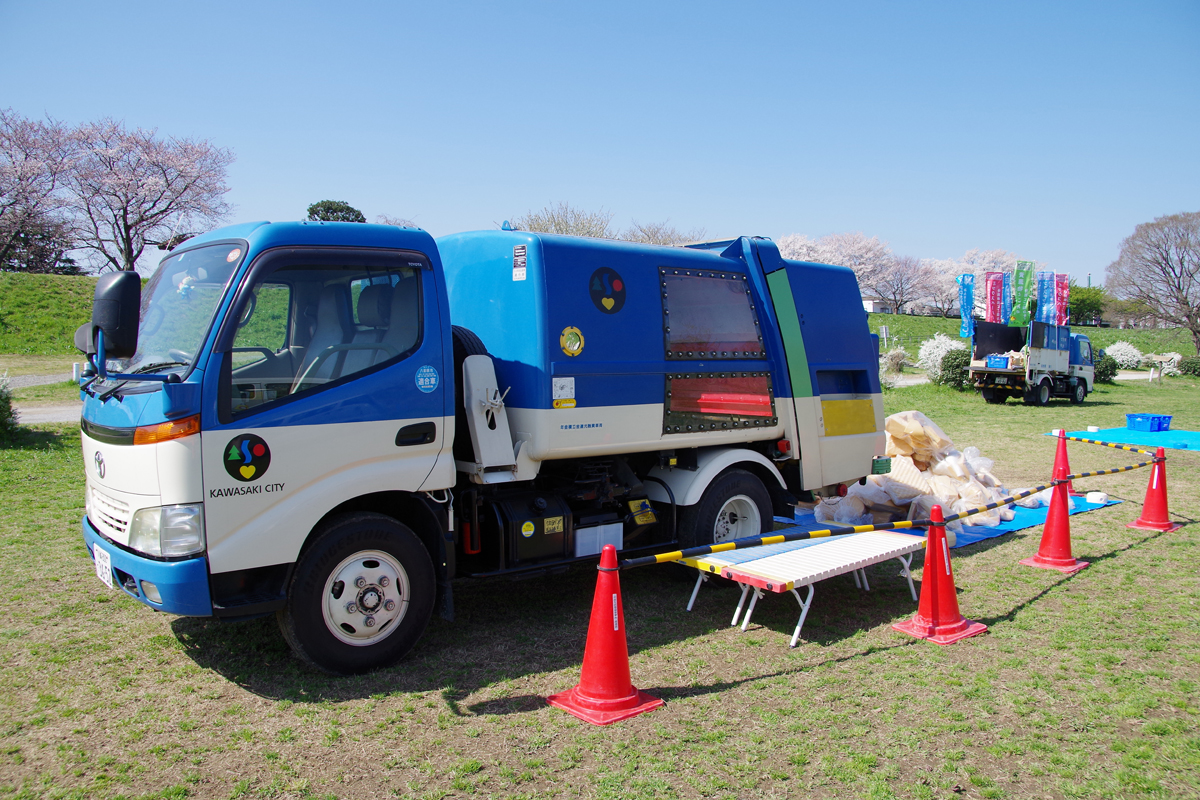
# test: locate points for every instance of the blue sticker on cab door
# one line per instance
(427, 379)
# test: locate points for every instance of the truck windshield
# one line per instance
(178, 305)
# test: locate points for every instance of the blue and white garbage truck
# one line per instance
(1033, 363)
(330, 422)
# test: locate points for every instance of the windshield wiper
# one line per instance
(159, 365)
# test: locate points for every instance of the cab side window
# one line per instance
(304, 326)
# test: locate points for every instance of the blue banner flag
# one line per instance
(966, 304)
(1046, 311)
(1006, 306)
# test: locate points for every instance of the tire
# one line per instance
(992, 396)
(347, 630)
(1079, 393)
(734, 506)
(465, 343)
(1043, 393)
(1038, 395)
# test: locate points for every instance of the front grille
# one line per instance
(109, 515)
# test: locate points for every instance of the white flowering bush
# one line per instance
(1126, 355)
(929, 357)
(8, 414)
(893, 360)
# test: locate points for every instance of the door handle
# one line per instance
(419, 433)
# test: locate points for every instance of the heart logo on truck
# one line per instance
(607, 289)
(247, 457)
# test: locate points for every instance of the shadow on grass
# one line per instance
(517, 629)
(48, 437)
(520, 704)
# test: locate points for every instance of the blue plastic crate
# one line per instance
(1148, 422)
(997, 362)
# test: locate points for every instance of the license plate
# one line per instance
(1001, 379)
(103, 565)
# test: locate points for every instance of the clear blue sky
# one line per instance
(1048, 129)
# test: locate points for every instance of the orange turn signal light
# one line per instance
(166, 431)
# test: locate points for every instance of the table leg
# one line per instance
(738, 611)
(804, 604)
(753, 600)
(866, 585)
(701, 578)
(907, 572)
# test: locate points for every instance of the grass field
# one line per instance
(1085, 686)
(39, 313)
(908, 332)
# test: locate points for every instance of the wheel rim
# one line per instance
(1079, 393)
(737, 519)
(362, 615)
(1044, 393)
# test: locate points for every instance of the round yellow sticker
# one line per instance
(527, 529)
(571, 341)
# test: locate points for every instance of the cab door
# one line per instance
(329, 384)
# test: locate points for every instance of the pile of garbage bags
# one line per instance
(927, 470)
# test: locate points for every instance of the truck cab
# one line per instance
(332, 421)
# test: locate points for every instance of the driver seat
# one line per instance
(332, 328)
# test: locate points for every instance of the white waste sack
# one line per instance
(911, 433)
(905, 481)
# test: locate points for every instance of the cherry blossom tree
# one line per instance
(567, 219)
(34, 158)
(660, 233)
(1159, 269)
(942, 293)
(864, 254)
(900, 279)
(129, 188)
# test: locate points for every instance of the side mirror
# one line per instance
(85, 340)
(115, 312)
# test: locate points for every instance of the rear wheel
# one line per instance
(1078, 393)
(734, 506)
(361, 596)
(1038, 394)
(993, 396)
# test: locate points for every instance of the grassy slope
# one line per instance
(39, 313)
(908, 332)
(1084, 687)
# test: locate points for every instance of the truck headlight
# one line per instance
(168, 531)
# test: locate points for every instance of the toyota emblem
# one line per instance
(99, 463)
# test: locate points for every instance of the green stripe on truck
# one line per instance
(789, 330)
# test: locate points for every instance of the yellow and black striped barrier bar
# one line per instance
(1113, 471)
(768, 538)
(794, 536)
(1128, 447)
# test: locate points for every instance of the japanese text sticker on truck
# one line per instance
(519, 262)
(427, 379)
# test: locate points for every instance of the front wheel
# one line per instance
(1078, 393)
(361, 596)
(734, 506)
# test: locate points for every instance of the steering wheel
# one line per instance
(181, 356)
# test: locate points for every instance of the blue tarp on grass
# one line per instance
(1172, 440)
(970, 534)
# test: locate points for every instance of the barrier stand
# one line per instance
(605, 693)
(1061, 454)
(1055, 550)
(938, 618)
(1154, 510)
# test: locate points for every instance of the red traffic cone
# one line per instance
(605, 693)
(1055, 549)
(1154, 510)
(1060, 459)
(938, 618)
